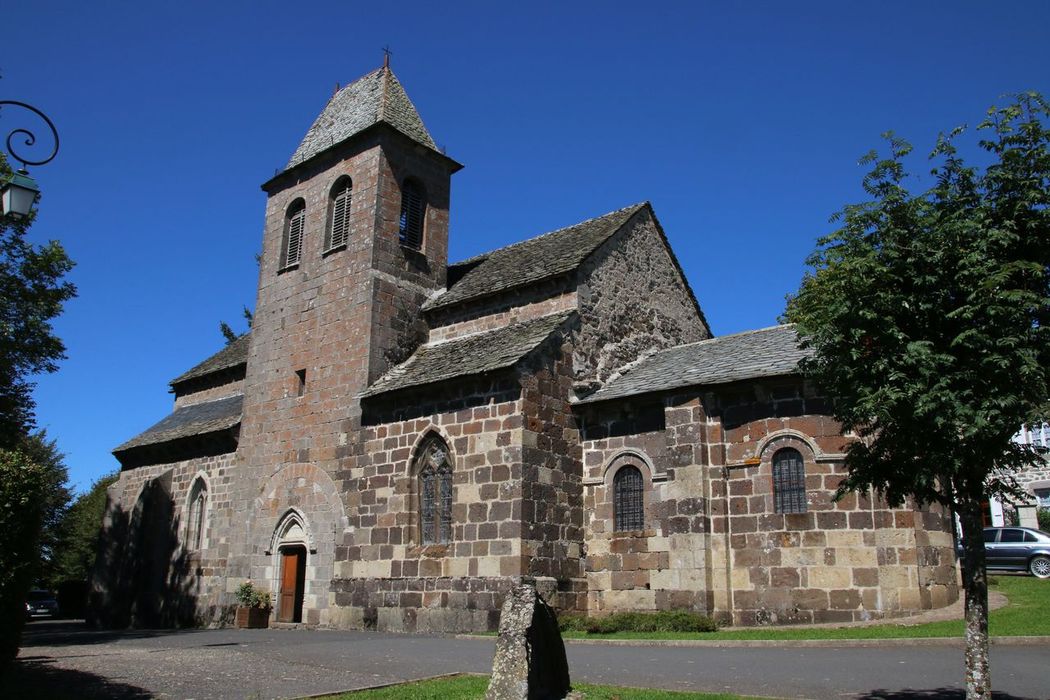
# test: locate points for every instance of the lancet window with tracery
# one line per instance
(435, 494)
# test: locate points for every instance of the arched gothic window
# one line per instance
(789, 481)
(294, 223)
(413, 210)
(197, 511)
(628, 499)
(338, 231)
(435, 493)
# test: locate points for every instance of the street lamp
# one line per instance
(19, 192)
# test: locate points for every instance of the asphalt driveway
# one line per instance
(67, 660)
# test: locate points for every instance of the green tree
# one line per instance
(32, 476)
(231, 335)
(227, 332)
(44, 453)
(75, 552)
(32, 292)
(927, 314)
(24, 494)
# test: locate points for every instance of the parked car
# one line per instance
(1017, 549)
(41, 604)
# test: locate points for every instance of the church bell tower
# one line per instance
(355, 240)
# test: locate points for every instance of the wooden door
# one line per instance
(293, 570)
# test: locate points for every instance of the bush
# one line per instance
(1044, 519)
(662, 621)
(572, 622)
(252, 597)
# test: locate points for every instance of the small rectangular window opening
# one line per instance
(300, 377)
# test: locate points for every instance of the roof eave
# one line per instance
(132, 456)
(594, 400)
(453, 165)
(175, 384)
(567, 319)
(368, 395)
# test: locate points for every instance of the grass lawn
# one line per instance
(473, 688)
(1028, 613)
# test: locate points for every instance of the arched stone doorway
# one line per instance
(299, 506)
(290, 552)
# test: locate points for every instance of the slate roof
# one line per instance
(198, 419)
(768, 352)
(376, 97)
(236, 353)
(470, 355)
(536, 259)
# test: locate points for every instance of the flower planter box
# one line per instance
(252, 618)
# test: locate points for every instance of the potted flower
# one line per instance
(254, 609)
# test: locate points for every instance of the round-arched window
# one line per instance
(628, 499)
(789, 481)
(338, 232)
(413, 211)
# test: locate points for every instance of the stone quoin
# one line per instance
(399, 441)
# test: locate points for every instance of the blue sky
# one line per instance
(741, 122)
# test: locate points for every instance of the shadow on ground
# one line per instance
(65, 633)
(36, 678)
(933, 694)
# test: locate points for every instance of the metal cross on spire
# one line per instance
(386, 56)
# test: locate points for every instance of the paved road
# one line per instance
(235, 664)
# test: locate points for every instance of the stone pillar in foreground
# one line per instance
(530, 661)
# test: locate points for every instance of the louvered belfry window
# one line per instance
(413, 209)
(435, 494)
(339, 216)
(628, 499)
(293, 235)
(789, 481)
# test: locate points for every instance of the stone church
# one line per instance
(400, 439)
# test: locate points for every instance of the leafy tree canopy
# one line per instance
(54, 501)
(78, 534)
(25, 487)
(928, 314)
(32, 292)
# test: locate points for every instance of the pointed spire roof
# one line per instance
(374, 98)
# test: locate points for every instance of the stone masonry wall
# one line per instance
(403, 278)
(1035, 478)
(340, 317)
(313, 318)
(221, 391)
(516, 314)
(664, 565)
(712, 540)
(551, 487)
(633, 301)
(227, 384)
(384, 577)
(854, 559)
(145, 573)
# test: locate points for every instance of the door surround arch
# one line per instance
(291, 547)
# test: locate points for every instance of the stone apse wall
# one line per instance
(712, 540)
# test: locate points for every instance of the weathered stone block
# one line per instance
(530, 662)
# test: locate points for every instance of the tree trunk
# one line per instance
(975, 586)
